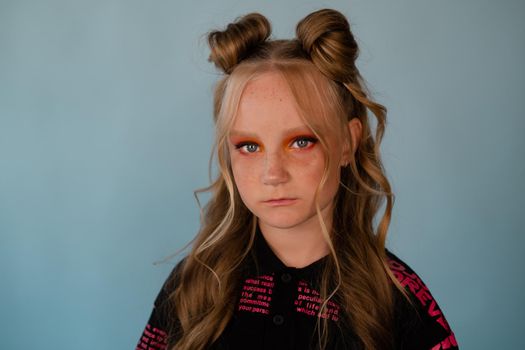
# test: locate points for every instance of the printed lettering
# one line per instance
(152, 339)
(411, 284)
(412, 281)
(309, 302)
(256, 295)
(423, 295)
(448, 343)
(433, 309)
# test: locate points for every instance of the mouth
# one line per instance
(274, 202)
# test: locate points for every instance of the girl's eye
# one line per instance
(247, 147)
(304, 142)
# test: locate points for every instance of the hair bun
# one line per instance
(326, 37)
(232, 45)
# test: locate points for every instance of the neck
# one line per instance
(298, 246)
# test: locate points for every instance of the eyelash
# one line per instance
(241, 145)
(311, 140)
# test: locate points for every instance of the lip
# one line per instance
(277, 202)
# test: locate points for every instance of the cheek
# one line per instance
(244, 175)
(309, 167)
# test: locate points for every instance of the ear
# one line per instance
(355, 129)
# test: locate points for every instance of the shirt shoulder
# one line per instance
(420, 324)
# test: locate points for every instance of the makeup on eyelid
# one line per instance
(241, 142)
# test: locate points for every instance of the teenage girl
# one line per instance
(288, 256)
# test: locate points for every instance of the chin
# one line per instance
(282, 221)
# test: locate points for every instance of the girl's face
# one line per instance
(277, 161)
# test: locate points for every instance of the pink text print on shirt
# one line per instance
(309, 302)
(152, 339)
(256, 297)
(419, 289)
(256, 294)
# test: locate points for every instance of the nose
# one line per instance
(275, 172)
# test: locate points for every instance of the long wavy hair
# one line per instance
(319, 67)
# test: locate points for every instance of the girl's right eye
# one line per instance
(247, 147)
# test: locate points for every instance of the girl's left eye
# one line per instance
(303, 142)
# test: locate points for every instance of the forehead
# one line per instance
(267, 101)
(270, 85)
(283, 96)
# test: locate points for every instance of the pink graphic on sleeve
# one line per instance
(309, 302)
(256, 294)
(152, 339)
(420, 290)
(448, 343)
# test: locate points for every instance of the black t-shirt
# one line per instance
(277, 308)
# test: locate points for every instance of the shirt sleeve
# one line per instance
(155, 334)
(420, 325)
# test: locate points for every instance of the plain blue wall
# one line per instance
(105, 130)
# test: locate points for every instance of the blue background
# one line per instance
(105, 131)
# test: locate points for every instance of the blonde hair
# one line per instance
(319, 67)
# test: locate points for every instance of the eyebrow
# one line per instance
(300, 129)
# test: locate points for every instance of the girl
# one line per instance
(287, 256)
